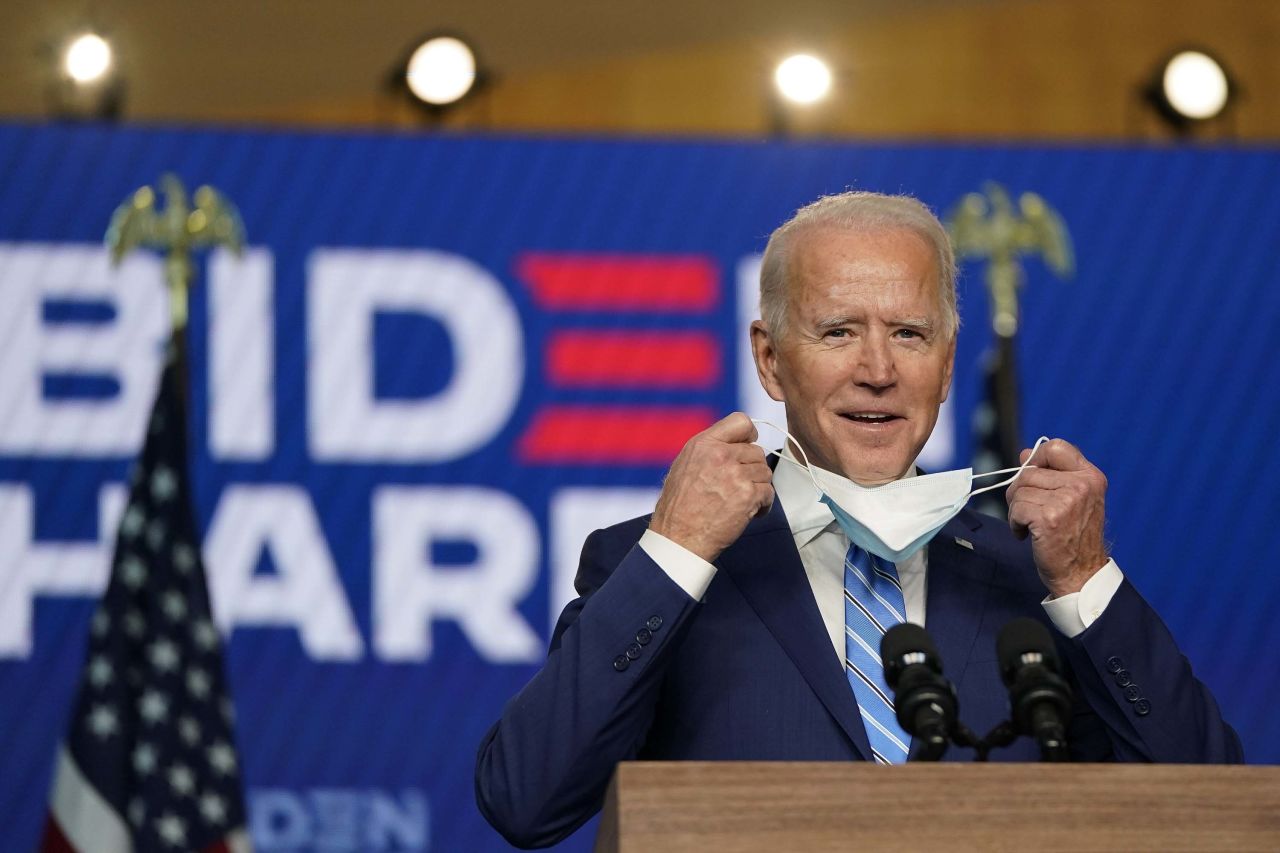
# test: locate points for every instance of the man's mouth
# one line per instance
(870, 417)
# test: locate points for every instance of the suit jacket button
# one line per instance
(621, 662)
(1142, 707)
(1123, 678)
(643, 636)
(633, 651)
(1132, 693)
(1114, 664)
(654, 623)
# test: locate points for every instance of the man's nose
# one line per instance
(875, 367)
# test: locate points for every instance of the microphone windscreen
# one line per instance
(1020, 637)
(902, 639)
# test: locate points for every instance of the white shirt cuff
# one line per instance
(1075, 612)
(690, 572)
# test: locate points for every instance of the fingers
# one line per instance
(751, 455)
(1020, 519)
(1030, 508)
(1057, 465)
(735, 427)
(756, 498)
(1053, 479)
(1056, 454)
(1027, 508)
(715, 486)
(1043, 478)
(755, 465)
(747, 453)
(764, 500)
(1078, 483)
(1047, 495)
(1063, 512)
(1033, 495)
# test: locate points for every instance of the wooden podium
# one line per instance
(727, 807)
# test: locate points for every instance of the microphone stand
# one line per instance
(1001, 736)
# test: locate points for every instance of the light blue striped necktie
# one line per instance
(873, 604)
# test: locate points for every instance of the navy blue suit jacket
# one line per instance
(749, 673)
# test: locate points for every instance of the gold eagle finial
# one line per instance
(988, 226)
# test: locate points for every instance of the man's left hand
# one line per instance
(1060, 505)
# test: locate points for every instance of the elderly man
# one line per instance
(740, 620)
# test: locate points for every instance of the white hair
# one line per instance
(860, 212)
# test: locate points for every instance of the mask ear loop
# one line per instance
(782, 454)
(1039, 441)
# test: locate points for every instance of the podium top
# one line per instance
(772, 806)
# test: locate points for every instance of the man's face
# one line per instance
(865, 361)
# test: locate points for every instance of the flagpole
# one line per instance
(987, 226)
(149, 759)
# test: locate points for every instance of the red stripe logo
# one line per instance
(613, 359)
(633, 360)
(683, 284)
(625, 435)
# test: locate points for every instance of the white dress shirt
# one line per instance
(823, 545)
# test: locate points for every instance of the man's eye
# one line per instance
(837, 333)
(908, 333)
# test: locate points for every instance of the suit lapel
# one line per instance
(959, 581)
(766, 568)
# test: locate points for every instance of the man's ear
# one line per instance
(765, 351)
(950, 369)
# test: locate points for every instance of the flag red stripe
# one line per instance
(633, 360)
(570, 282)
(53, 841)
(622, 435)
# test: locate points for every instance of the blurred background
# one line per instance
(499, 261)
(924, 69)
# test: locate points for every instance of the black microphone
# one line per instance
(924, 700)
(1039, 697)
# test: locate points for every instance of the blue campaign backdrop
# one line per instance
(1155, 359)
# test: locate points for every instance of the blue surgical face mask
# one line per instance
(897, 519)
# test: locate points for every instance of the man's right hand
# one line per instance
(718, 483)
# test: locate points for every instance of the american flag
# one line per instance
(149, 761)
(996, 441)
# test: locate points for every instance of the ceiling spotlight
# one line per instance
(803, 79)
(87, 58)
(1190, 87)
(1195, 85)
(83, 80)
(441, 71)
